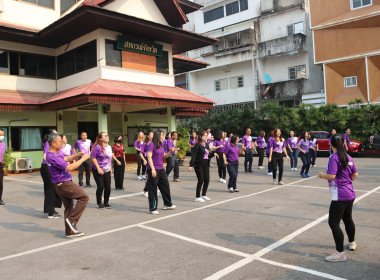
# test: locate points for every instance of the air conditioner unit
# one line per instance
(24, 164)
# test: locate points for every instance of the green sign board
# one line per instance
(135, 45)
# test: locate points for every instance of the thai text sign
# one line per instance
(135, 45)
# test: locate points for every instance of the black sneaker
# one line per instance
(80, 185)
(107, 206)
(72, 225)
(100, 206)
(78, 234)
(250, 171)
(2, 202)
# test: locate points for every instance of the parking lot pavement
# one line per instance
(263, 232)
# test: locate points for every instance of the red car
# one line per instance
(355, 147)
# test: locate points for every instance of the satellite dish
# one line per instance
(267, 78)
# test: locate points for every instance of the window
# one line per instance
(243, 5)
(356, 4)
(295, 28)
(350, 81)
(297, 72)
(27, 138)
(67, 4)
(221, 85)
(213, 14)
(132, 133)
(232, 8)
(162, 63)
(43, 3)
(3, 62)
(237, 82)
(77, 60)
(14, 64)
(113, 55)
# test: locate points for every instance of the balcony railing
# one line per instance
(282, 46)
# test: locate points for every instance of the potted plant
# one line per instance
(7, 160)
(182, 144)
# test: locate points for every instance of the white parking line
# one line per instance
(125, 195)
(324, 188)
(6, 179)
(277, 244)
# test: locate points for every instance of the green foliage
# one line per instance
(183, 141)
(7, 159)
(363, 121)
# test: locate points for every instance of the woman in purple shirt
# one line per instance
(231, 159)
(101, 157)
(267, 151)
(277, 146)
(52, 199)
(260, 143)
(341, 172)
(292, 145)
(137, 146)
(333, 132)
(144, 156)
(193, 141)
(313, 149)
(303, 147)
(157, 175)
(2, 151)
(346, 138)
(220, 143)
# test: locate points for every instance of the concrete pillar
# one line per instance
(102, 119)
(171, 120)
(60, 122)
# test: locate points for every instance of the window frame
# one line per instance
(35, 4)
(19, 140)
(205, 12)
(231, 4)
(350, 78)
(361, 1)
(296, 72)
(246, 7)
(60, 7)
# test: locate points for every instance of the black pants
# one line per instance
(203, 176)
(52, 198)
(277, 159)
(233, 170)
(270, 168)
(172, 163)
(85, 166)
(248, 159)
(119, 173)
(313, 156)
(305, 157)
(147, 174)
(341, 210)
(161, 181)
(103, 183)
(222, 170)
(260, 151)
(140, 165)
(1, 180)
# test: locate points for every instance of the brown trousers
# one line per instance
(68, 192)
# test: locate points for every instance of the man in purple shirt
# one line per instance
(60, 168)
(172, 162)
(84, 145)
(248, 147)
(2, 151)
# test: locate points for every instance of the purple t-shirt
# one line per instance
(304, 145)
(46, 149)
(347, 138)
(279, 145)
(341, 188)
(157, 156)
(83, 146)
(260, 142)
(168, 145)
(209, 138)
(138, 144)
(57, 167)
(218, 143)
(229, 141)
(292, 142)
(206, 152)
(269, 145)
(66, 150)
(313, 143)
(104, 159)
(193, 141)
(247, 141)
(143, 148)
(232, 152)
(2, 150)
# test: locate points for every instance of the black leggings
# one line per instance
(305, 162)
(270, 168)
(260, 151)
(161, 182)
(140, 164)
(341, 210)
(119, 173)
(277, 159)
(103, 183)
(203, 175)
(52, 199)
(222, 170)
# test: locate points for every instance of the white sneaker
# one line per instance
(236, 190)
(270, 173)
(169, 207)
(224, 181)
(221, 180)
(170, 175)
(231, 190)
(274, 182)
(336, 257)
(154, 212)
(145, 194)
(199, 199)
(139, 178)
(295, 169)
(144, 177)
(292, 169)
(352, 246)
(261, 167)
(280, 183)
(205, 197)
